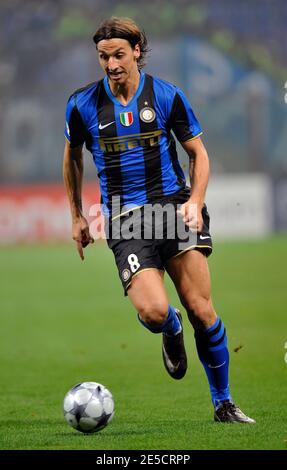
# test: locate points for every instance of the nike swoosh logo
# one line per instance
(172, 367)
(216, 367)
(105, 125)
(203, 238)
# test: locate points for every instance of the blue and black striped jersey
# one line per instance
(132, 146)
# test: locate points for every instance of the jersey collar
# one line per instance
(136, 95)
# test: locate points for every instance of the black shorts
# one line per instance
(152, 242)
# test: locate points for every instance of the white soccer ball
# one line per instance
(89, 407)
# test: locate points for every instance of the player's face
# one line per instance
(118, 59)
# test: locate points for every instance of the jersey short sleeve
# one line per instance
(182, 118)
(75, 131)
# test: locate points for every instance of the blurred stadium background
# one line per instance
(230, 57)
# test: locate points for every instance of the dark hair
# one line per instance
(123, 28)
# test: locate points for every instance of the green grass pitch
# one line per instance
(64, 321)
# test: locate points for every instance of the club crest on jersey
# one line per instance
(126, 274)
(126, 118)
(147, 114)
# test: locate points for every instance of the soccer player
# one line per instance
(125, 120)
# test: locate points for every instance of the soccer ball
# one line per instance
(88, 407)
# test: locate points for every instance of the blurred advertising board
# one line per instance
(240, 206)
(39, 213)
(280, 205)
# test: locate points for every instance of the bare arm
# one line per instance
(199, 174)
(198, 169)
(73, 177)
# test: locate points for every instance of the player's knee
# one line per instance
(200, 310)
(154, 313)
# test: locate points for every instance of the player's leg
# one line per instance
(190, 274)
(141, 272)
(148, 295)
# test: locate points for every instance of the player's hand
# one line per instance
(191, 215)
(81, 235)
